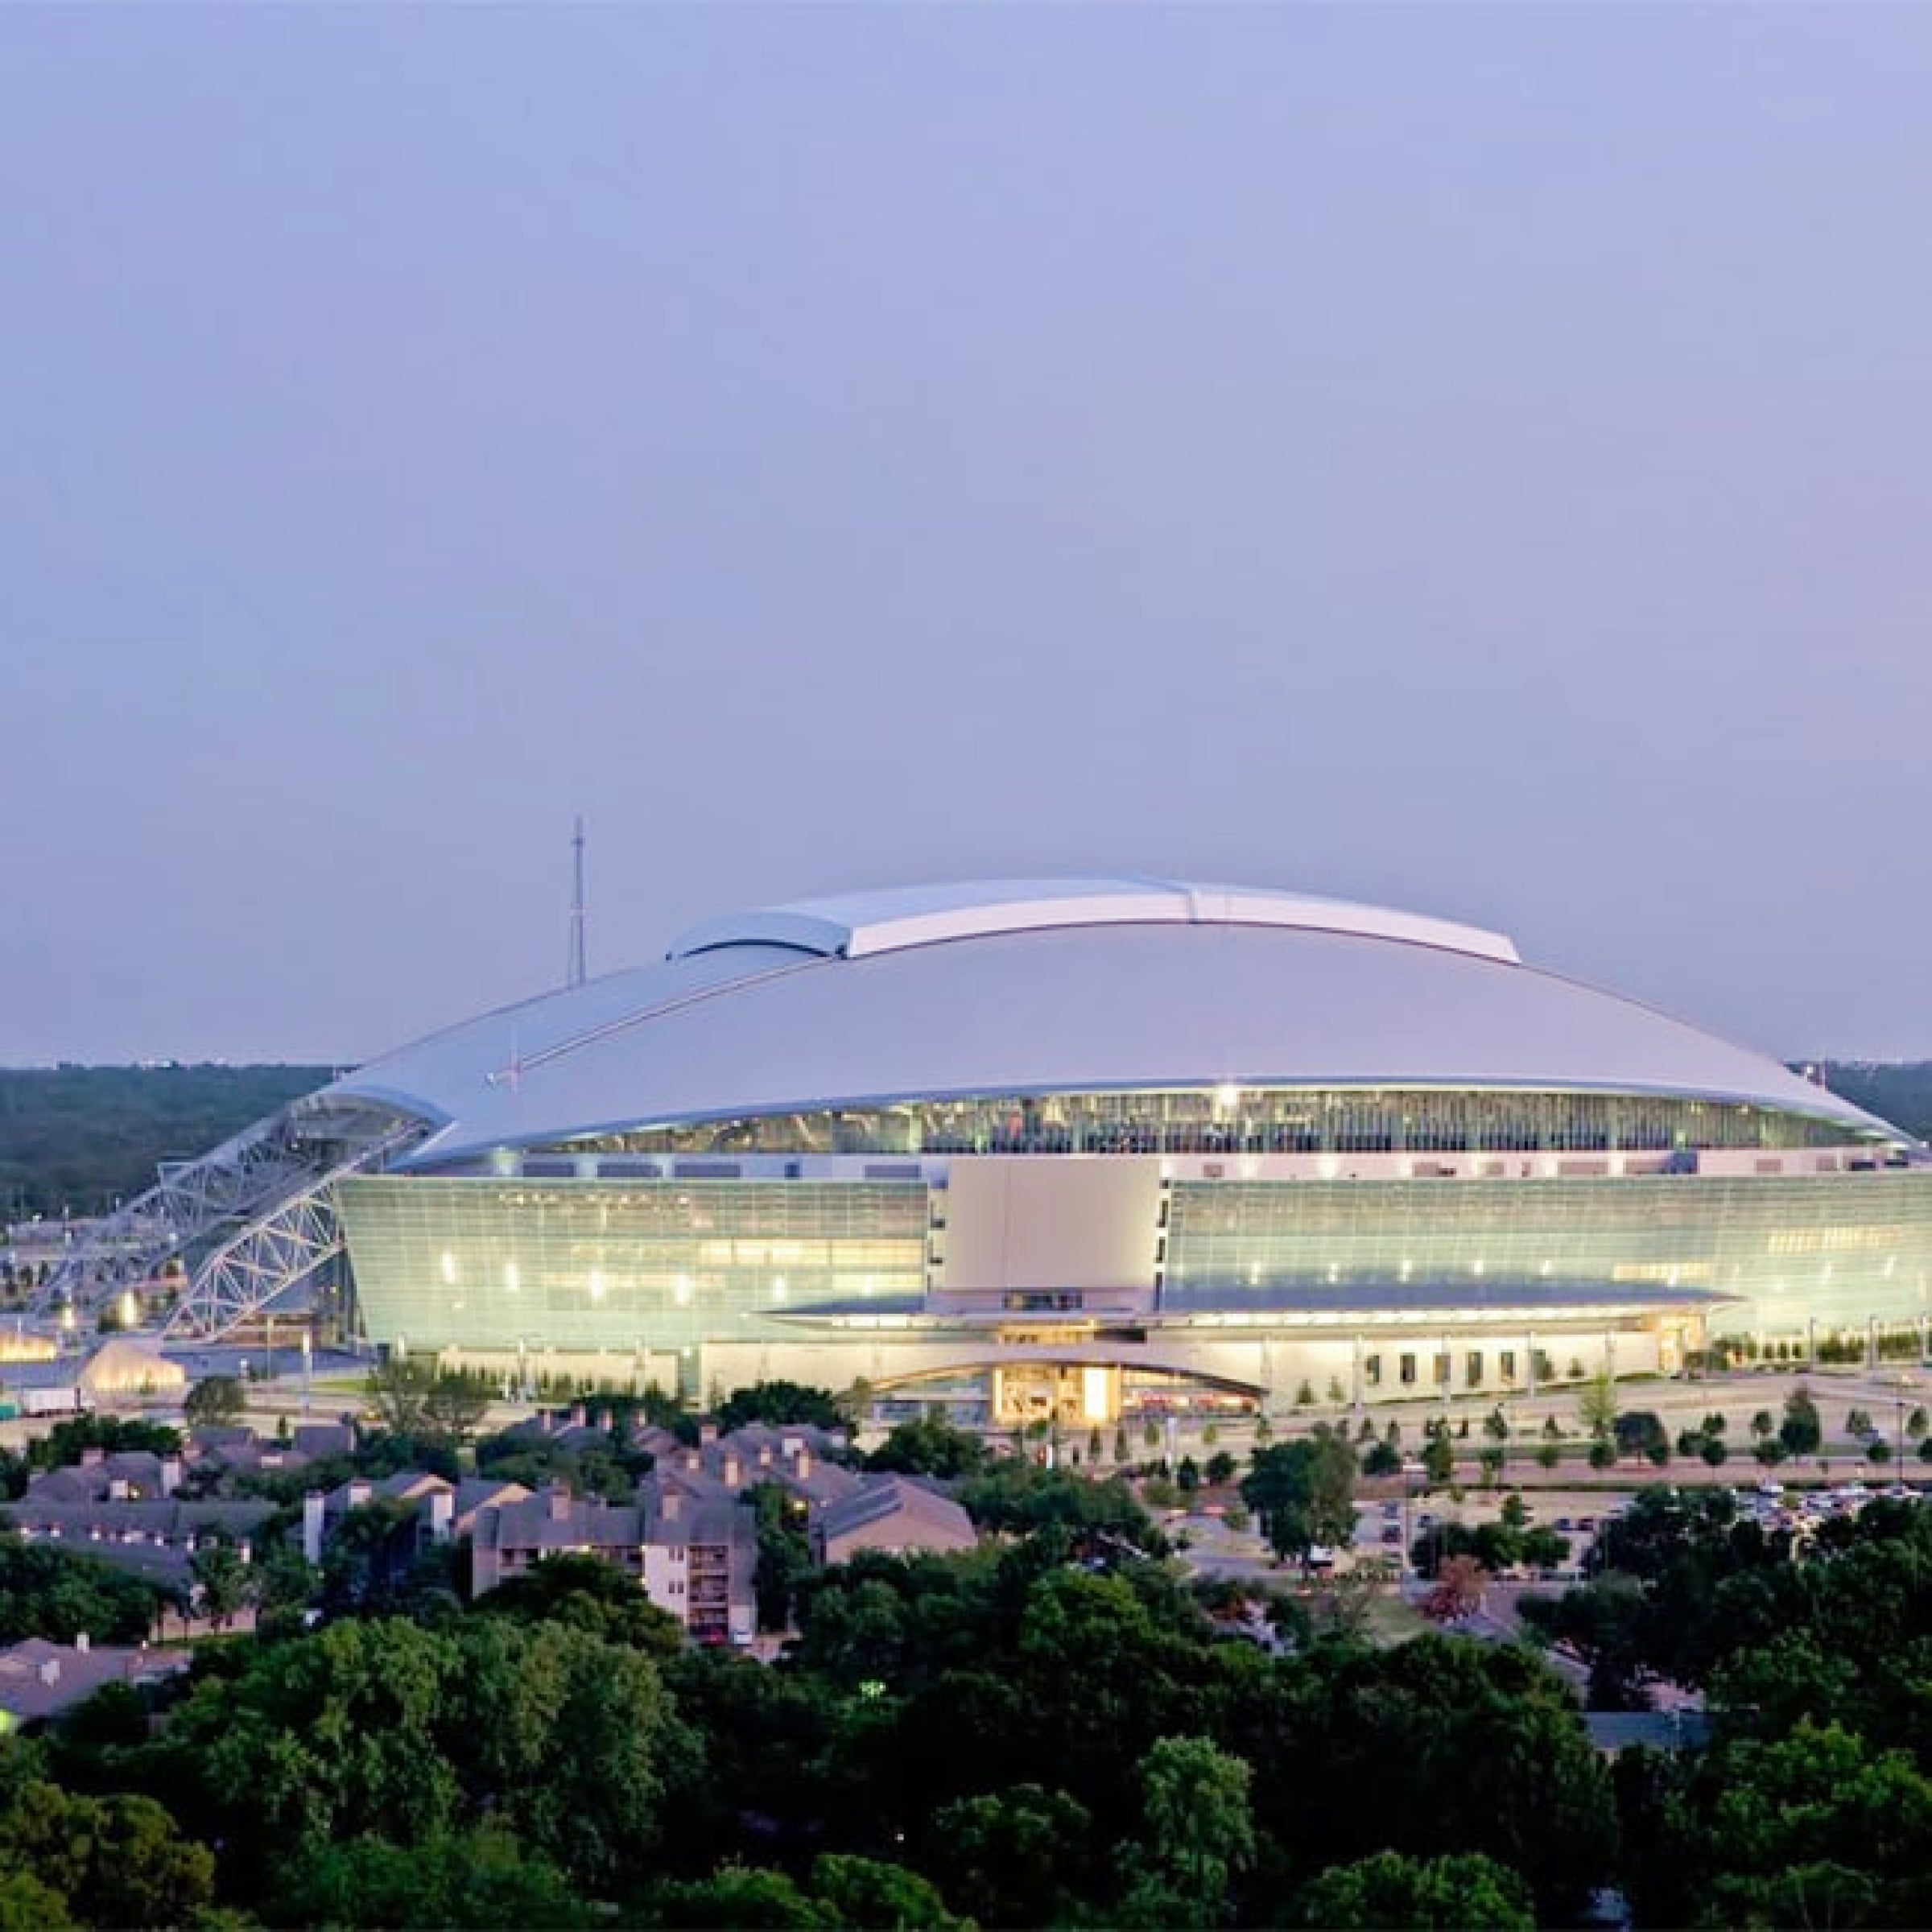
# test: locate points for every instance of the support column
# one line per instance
(1356, 1398)
(1529, 1363)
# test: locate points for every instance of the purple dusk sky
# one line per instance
(1469, 459)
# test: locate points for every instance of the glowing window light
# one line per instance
(449, 1268)
(512, 1280)
(680, 1292)
(597, 1284)
(1094, 1406)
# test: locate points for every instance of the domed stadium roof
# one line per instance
(1039, 987)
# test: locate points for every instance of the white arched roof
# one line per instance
(860, 924)
(1008, 990)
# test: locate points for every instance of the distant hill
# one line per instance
(1898, 1090)
(77, 1138)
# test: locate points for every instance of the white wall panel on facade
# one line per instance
(1023, 1224)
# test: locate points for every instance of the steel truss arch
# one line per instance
(247, 1221)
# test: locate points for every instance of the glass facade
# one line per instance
(646, 1265)
(1840, 1249)
(1250, 1119)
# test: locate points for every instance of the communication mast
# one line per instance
(577, 973)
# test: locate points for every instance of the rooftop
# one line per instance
(856, 924)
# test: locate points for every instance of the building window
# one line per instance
(1408, 1369)
(1372, 1370)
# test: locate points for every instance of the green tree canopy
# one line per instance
(1801, 1431)
(214, 1399)
(1303, 1492)
(587, 1593)
(121, 1860)
(1022, 1856)
(780, 1401)
(929, 1446)
(1457, 1891)
(484, 1879)
(59, 1594)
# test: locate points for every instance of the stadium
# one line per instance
(1068, 1150)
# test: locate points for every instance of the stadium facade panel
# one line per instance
(1070, 1149)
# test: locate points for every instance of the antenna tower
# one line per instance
(577, 973)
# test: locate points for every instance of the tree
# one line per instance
(50, 1592)
(368, 1557)
(484, 1879)
(1606, 1622)
(28, 1906)
(1457, 1594)
(1801, 1431)
(1382, 1459)
(1641, 1432)
(1596, 1405)
(1439, 1461)
(587, 1593)
(1303, 1492)
(1459, 1892)
(1200, 1831)
(1403, 1732)
(1801, 1815)
(1022, 1856)
(377, 1727)
(113, 1861)
(740, 1896)
(455, 1402)
(869, 1892)
(222, 1583)
(216, 1399)
(784, 1553)
(929, 1446)
(779, 1402)
(416, 1399)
